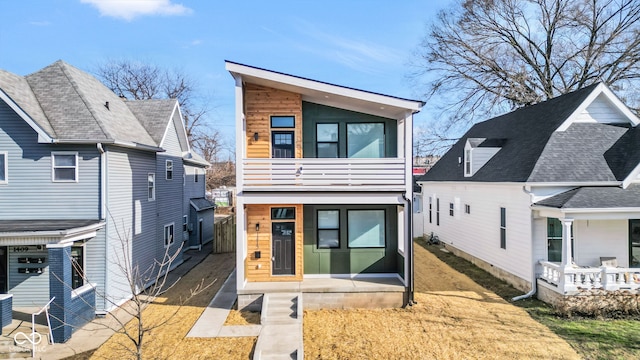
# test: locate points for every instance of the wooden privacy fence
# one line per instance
(225, 235)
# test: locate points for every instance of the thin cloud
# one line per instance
(356, 54)
(40, 23)
(130, 9)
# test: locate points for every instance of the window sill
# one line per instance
(82, 289)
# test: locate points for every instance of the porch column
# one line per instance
(566, 242)
(60, 288)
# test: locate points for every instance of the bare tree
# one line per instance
(483, 57)
(143, 286)
(143, 81)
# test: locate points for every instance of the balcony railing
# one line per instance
(383, 173)
(574, 278)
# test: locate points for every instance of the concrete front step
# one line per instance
(281, 308)
(281, 334)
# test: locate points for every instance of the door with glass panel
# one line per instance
(282, 144)
(283, 248)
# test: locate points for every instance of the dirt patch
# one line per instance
(242, 317)
(169, 341)
(454, 318)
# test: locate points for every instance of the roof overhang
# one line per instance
(327, 94)
(621, 213)
(35, 233)
(42, 135)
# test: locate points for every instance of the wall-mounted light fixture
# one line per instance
(257, 227)
(255, 136)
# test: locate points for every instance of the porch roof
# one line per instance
(595, 197)
(48, 231)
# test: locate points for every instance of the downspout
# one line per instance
(409, 258)
(533, 263)
(102, 216)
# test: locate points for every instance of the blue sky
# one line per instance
(355, 43)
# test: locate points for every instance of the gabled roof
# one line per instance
(545, 143)
(65, 104)
(149, 111)
(325, 93)
(595, 198)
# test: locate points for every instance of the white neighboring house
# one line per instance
(546, 196)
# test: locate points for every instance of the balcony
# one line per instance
(312, 174)
(607, 278)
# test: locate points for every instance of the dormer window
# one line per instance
(467, 162)
(478, 152)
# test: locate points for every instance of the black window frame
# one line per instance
(467, 209)
(77, 267)
(336, 142)
(437, 211)
(292, 117)
(451, 209)
(384, 245)
(318, 230)
(287, 210)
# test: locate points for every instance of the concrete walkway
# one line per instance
(280, 332)
(94, 334)
(211, 322)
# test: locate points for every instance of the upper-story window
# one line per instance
(4, 167)
(64, 166)
(168, 169)
(327, 140)
(467, 162)
(151, 186)
(365, 140)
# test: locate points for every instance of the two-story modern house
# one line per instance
(546, 197)
(324, 190)
(88, 179)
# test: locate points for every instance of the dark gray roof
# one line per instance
(43, 225)
(531, 150)
(591, 197)
(201, 204)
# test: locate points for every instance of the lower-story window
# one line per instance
(168, 234)
(77, 266)
(328, 229)
(366, 228)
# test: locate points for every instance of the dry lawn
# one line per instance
(454, 318)
(169, 341)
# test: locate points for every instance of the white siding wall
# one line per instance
(478, 233)
(601, 110)
(596, 238)
(480, 156)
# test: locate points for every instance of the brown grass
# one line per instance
(242, 317)
(454, 318)
(169, 341)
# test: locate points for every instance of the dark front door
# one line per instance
(282, 144)
(283, 248)
(634, 243)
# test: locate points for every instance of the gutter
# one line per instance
(533, 263)
(409, 258)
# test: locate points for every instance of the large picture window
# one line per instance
(365, 140)
(64, 167)
(328, 229)
(366, 228)
(327, 140)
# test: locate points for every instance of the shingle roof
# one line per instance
(43, 225)
(70, 104)
(201, 204)
(149, 111)
(531, 150)
(595, 198)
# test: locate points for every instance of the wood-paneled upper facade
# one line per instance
(323, 172)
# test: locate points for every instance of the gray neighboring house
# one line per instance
(81, 170)
(546, 197)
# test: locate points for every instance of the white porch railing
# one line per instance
(312, 172)
(607, 278)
